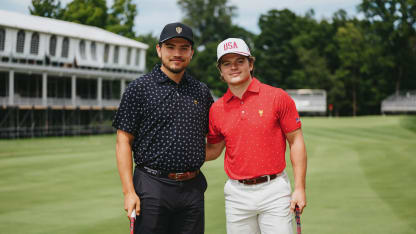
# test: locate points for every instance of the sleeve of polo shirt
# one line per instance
(128, 113)
(214, 135)
(288, 115)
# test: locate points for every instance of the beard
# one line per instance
(172, 69)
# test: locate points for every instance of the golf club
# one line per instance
(132, 220)
(297, 217)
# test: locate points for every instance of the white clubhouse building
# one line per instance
(61, 78)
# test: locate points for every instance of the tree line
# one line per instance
(359, 62)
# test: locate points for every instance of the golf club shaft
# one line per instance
(297, 217)
(132, 220)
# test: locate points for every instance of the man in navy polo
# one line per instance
(163, 120)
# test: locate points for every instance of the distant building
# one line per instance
(309, 101)
(399, 103)
(61, 78)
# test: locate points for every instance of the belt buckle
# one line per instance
(178, 175)
(152, 171)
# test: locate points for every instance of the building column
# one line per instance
(142, 62)
(123, 87)
(100, 91)
(44, 89)
(11, 87)
(73, 90)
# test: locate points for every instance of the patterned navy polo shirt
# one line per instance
(169, 121)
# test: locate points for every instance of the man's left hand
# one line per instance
(299, 199)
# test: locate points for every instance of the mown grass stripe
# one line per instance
(361, 179)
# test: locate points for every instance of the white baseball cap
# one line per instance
(234, 46)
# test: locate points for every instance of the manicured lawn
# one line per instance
(361, 179)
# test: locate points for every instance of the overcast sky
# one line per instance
(154, 14)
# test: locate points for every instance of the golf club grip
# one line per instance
(132, 220)
(297, 217)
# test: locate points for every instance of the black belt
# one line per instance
(258, 180)
(178, 176)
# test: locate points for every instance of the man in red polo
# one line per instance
(253, 121)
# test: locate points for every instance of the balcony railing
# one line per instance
(62, 102)
(62, 130)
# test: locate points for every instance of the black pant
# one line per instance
(168, 206)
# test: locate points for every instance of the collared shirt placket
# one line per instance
(243, 110)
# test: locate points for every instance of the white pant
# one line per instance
(261, 208)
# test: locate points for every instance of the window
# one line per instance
(111, 89)
(82, 49)
(20, 45)
(65, 48)
(86, 88)
(2, 38)
(28, 85)
(137, 57)
(52, 45)
(128, 56)
(106, 52)
(59, 87)
(93, 51)
(115, 54)
(34, 43)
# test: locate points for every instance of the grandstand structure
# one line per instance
(62, 78)
(402, 102)
(309, 101)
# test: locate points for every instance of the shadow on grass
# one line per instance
(389, 168)
(408, 122)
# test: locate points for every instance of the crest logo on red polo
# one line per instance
(230, 45)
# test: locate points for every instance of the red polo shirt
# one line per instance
(254, 129)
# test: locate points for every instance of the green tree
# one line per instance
(276, 54)
(211, 20)
(351, 46)
(394, 21)
(361, 69)
(204, 68)
(337, 89)
(121, 18)
(313, 71)
(377, 64)
(46, 8)
(310, 45)
(151, 55)
(89, 12)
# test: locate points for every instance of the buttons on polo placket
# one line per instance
(243, 112)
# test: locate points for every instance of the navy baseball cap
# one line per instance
(176, 30)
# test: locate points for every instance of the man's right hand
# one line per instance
(131, 202)
(213, 151)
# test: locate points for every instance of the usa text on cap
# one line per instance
(232, 45)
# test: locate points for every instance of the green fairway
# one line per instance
(361, 180)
